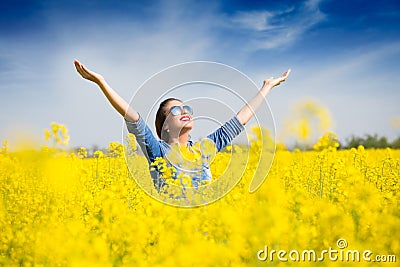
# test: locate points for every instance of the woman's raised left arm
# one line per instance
(247, 112)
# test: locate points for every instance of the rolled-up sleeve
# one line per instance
(226, 133)
(150, 146)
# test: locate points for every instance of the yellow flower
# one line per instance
(82, 152)
(63, 211)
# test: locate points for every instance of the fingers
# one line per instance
(78, 67)
(77, 64)
(85, 69)
(284, 76)
(81, 68)
(286, 73)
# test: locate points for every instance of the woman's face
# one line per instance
(179, 123)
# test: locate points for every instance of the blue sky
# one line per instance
(343, 54)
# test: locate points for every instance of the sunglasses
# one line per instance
(178, 110)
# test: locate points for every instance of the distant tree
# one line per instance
(383, 142)
(369, 141)
(395, 143)
(373, 141)
(353, 141)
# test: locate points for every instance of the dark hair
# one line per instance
(162, 115)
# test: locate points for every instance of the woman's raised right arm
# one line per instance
(115, 100)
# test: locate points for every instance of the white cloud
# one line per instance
(361, 97)
(272, 29)
(254, 20)
(352, 66)
(41, 85)
(57, 93)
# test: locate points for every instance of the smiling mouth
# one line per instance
(185, 118)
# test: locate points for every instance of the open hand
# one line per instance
(86, 73)
(272, 82)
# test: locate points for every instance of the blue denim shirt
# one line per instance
(153, 148)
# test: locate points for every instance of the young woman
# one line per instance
(174, 122)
